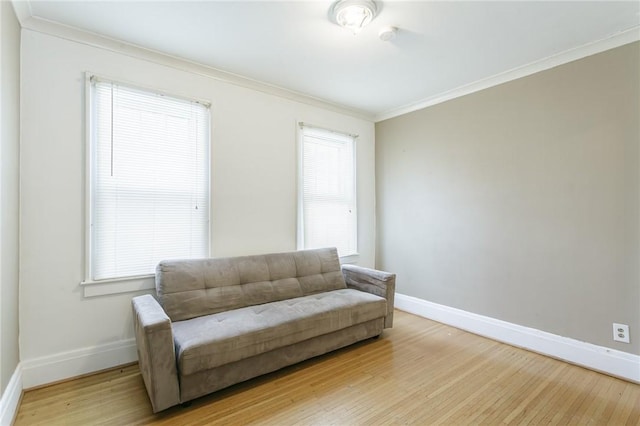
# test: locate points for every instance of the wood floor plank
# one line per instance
(420, 372)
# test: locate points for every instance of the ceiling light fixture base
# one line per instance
(353, 15)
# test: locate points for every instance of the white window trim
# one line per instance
(348, 259)
(90, 287)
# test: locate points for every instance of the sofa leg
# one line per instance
(185, 404)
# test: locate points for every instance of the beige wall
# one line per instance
(521, 202)
(9, 160)
(253, 186)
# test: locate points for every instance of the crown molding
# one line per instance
(27, 21)
(22, 8)
(66, 32)
(615, 40)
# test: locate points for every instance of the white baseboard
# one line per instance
(65, 365)
(43, 370)
(11, 398)
(599, 358)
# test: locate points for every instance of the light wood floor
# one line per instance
(420, 372)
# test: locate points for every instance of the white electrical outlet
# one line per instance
(621, 332)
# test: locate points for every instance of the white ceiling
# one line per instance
(440, 46)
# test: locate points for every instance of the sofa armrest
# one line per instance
(380, 283)
(156, 352)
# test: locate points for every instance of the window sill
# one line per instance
(351, 258)
(118, 285)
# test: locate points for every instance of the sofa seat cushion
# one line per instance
(214, 340)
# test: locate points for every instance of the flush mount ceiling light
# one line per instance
(353, 15)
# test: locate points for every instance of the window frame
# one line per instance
(300, 244)
(107, 286)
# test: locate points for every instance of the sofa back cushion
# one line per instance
(192, 288)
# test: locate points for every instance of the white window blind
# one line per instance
(149, 186)
(328, 191)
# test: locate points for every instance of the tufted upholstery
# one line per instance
(217, 322)
(189, 289)
(214, 340)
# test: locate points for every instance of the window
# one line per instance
(149, 180)
(327, 191)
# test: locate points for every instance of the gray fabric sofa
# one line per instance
(217, 322)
